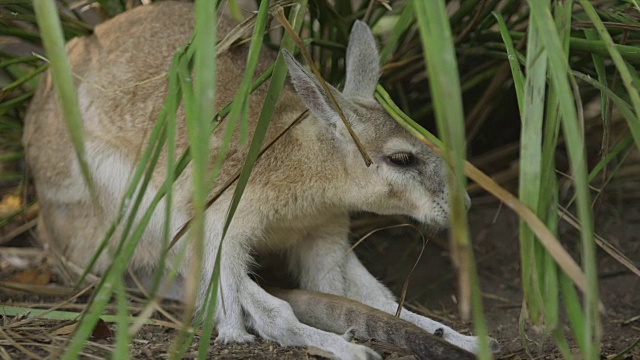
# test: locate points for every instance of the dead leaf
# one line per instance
(65, 330)
(32, 212)
(101, 331)
(314, 351)
(31, 277)
(10, 204)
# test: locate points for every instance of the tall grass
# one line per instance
(53, 41)
(553, 57)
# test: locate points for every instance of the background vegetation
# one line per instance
(542, 95)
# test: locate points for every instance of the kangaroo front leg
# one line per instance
(229, 316)
(241, 303)
(326, 263)
(317, 261)
(363, 287)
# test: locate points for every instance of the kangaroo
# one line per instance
(297, 201)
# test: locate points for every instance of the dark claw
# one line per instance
(494, 346)
(349, 334)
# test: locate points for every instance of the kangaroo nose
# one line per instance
(467, 201)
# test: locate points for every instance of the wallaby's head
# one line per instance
(406, 176)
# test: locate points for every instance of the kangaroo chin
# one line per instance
(297, 201)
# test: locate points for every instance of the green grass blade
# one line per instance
(617, 149)
(275, 86)
(112, 7)
(531, 167)
(437, 46)
(18, 60)
(563, 344)
(8, 105)
(512, 54)
(25, 78)
(199, 100)
(171, 107)
(123, 340)
(574, 313)
(627, 52)
(622, 106)
(438, 51)
(403, 23)
(197, 133)
(239, 108)
(548, 192)
(154, 144)
(114, 273)
(27, 35)
(238, 112)
(53, 40)
(598, 63)
(560, 77)
(202, 100)
(126, 246)
(625, 74)
(551, 289)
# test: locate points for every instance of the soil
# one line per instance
(390, 255)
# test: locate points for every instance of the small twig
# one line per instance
(610, 25)
(405, 286)
(40, 290)
(482, 109)
(630, 320)
(363, 238)
(151, 306)
(625, 351)
(54, 308)
(18, 346)
(367, 13)
(472, 24)
(567, 216)
(18, 231)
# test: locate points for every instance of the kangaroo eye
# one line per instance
(402, 159)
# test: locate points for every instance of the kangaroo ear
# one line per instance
(312, 94)
(363, 62)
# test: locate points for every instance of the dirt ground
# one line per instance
(390, 254)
